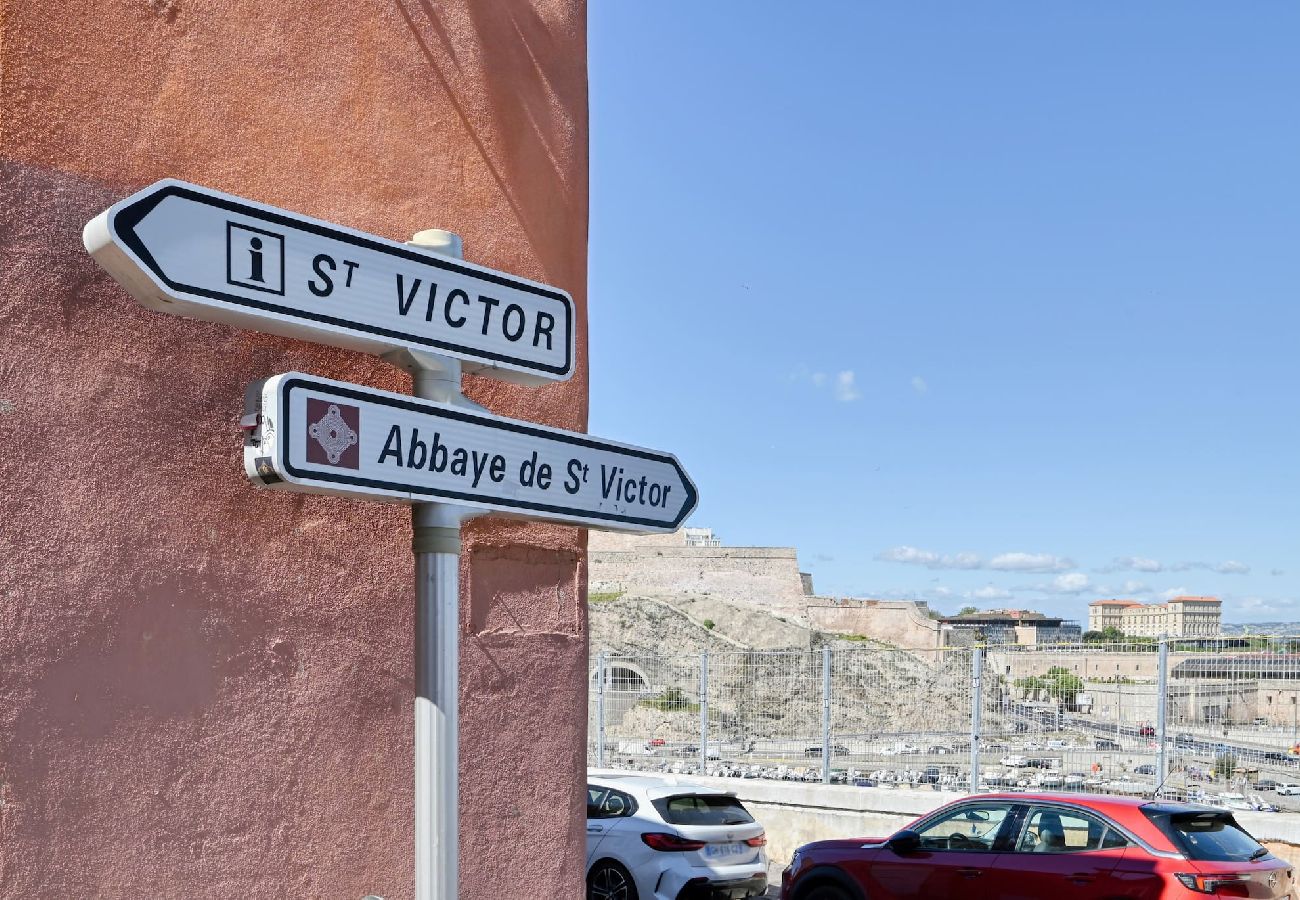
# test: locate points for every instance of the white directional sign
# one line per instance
(330, 437)
(191, 251)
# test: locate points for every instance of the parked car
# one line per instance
(1144, 769)
(1147, 730)
(836, 750)
(1014, 761)
(1184, 740)
(1266, 784)
(1084, 847)
(1107, 744)
(649, 838)
(1287, 788)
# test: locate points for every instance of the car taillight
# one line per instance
(1233, 885)
(759, 841)
(657, 840)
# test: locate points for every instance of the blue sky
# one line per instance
(989, 304)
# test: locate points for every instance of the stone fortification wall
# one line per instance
(764, 575)
(903, 623)
(617, 540)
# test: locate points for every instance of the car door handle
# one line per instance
(591, 829)
(970, 873)
(1082, 878)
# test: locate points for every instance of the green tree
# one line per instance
(967, 610)
(1224, 765)
(1059, 684)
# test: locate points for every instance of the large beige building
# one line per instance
(1180, 617)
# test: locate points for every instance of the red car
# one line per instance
(1045, 847)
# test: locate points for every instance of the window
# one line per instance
(1214, 836)
(972, 826)
(1049, 830)
(607, 803)
(702, 809)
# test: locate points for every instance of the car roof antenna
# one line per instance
(1155, 795)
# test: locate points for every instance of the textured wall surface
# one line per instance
(206, 690)
(900, 623)
(765, 575)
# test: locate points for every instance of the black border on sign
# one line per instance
(414, 405)
(122, 225)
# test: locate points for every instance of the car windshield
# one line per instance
(1211, 836)
(702, 809)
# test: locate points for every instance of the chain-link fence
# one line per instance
(1216, 720)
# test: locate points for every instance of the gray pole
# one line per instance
(704, 711)
(600, 709)
(1119, 707)
(826, 715)
(1162, 711)
(435, 542)
(977, 679)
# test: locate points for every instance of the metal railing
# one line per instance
(1181, 717)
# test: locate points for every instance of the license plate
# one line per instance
(723, 851)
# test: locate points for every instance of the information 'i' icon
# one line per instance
(254, 258)
(255, 251)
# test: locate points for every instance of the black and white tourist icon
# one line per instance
(254, 258)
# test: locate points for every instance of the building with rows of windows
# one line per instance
(1180, 617)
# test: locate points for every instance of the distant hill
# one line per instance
(1267, 628)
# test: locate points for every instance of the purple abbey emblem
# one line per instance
(333, 434)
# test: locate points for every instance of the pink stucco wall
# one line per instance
(206, 690)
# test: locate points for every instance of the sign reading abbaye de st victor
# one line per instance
(321, 436)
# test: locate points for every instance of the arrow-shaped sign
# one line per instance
(330, 437)
(188, 250)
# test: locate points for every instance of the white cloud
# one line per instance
(1230, 567)
(907, 554)
(1135, 588)
(990, 592)
(1276, 572)
(1073, 583)
(845, 390)
(843, 384)
(1256, 607)
(1030, 562)
(1139, 564)
(1172, 593)
(919, 385)
(1003, 562)
(928, 558)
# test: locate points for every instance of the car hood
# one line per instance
(845, 844)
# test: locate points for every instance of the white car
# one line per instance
(649, 838)
(1287, 788)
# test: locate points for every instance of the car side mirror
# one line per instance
(904, 842)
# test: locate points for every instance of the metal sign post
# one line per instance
(435, 543)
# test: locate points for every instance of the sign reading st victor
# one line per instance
(315, 435)
(188, 250)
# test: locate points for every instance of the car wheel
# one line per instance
(610, 881)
